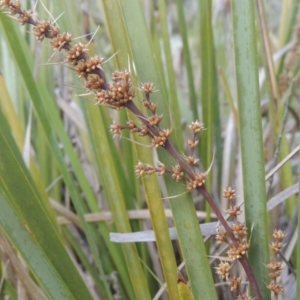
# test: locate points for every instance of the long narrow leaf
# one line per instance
(26, 223)
(251, 137)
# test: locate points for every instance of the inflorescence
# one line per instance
(236, 250)
(119, 95)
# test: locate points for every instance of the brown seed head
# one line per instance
(278, 235)
(60, 40)
(160, 169)
(150, 105)
(148, 87)
(275, 288)
(197, 126)
(235, 253)
(106, 97)
(76, 53)
(139, 169)
(177, 173)
(223, 269)
(150, 170)
(14, 9)
(132, 126)
(191, 160)
(81, 70)
(275, 274)
(144, 131)
(41, 29)
(121, 89)
(234, 211)
(4, 4)
(115, 129)
(84, 68)
(193, 143)
(199, 180)
(221, 237)
(25, 17)
(229, 193)
(161, 138)
(274, 265)
(154, 120)
(244, 247)
(54, 31)
(119, 93)
(94, 82)
(276, 246)
(239, 230)
(94, 63)
(234, 283)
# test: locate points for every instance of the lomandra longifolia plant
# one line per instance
(119, 93)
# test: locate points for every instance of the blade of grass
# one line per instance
(37, 261)
(31, 288)
(155, 38)
(27, 224)
(187, 58)
(209, 95)
(246, 66)
(207, 83)
(172, 90)
(8, 109)
(17, 130)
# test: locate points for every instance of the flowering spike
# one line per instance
(197, 126)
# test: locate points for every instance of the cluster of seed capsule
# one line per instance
(239, 229)
(275, 265)
(119, 92)
(116, 95)
(90, 68)
(159, 137)
(235, 250)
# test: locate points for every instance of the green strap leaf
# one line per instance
(26, 223)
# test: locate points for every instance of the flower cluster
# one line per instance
(119, 93)
(89, 68)
(237, 249)
(275, 265)
(142, 169)
(160, 138)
